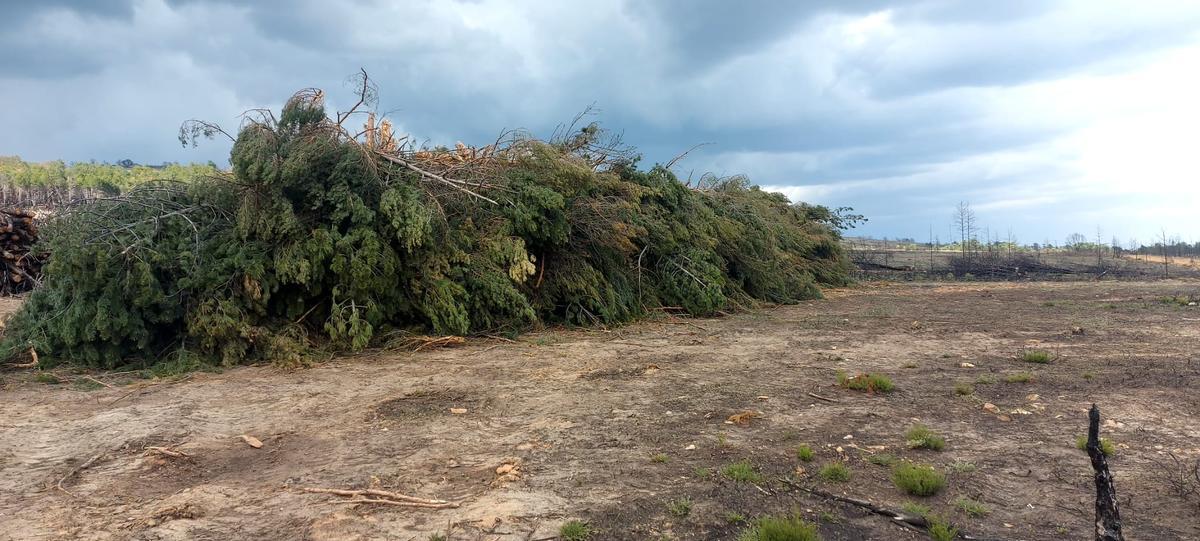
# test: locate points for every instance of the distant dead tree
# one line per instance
(964, 220)
(1075, 241)
(1165, 255)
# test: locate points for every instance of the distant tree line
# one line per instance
(56, 182)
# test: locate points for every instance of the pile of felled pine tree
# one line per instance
(21, 266)
(324, 237)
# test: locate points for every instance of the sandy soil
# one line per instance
(609, 427)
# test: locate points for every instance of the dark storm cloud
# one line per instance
(705, 32)
(895, 107)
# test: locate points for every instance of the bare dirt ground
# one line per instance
(611, 427)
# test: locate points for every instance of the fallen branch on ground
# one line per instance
(819, 397)
(383, 497)
(167, 451)
(76, 471)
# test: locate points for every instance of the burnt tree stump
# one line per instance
(1108, 517)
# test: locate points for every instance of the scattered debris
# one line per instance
(742, 418)
(508, 471)
(167, 451)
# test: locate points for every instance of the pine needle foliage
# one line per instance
(317, 241)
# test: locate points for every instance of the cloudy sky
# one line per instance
(1048, 116)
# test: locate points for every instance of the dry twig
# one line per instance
(76, 471)
(819, 397)
(383, 497)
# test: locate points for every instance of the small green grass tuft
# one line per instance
(921, 437)
(963, 388)
(1089, 376)
(963, 467)
(1037, 356)
(680, 507)
(1048, 304)
(909, 365)
(87, 385)
(940, 529)
(871, 383)
(734, 517)
(829, 518)
(805, 453)
(986, 379)
(792, 528)
(47, 377)
(915, 509)
(918, 480)
(703, 473)
(971, 507)
(835, 472)
(659, 458)
(1019, 377)
(575, 530)
(1106, 445)
(437, 537)
(742, 472)
(882, 459)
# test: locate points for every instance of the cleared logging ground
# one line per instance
(875, 263)
(600, 426)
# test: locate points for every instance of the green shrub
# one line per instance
(918, 480)
(871, 383)
(921, 437)
(1106, 445)
(575, 530)
(1019, 377)
(791, 528)
(805, 453)
(835, 472)
(940, 529)
(680, 507)
(742, 472)
(964, 389)
(315, 242)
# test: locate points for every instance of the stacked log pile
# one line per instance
(20, 265)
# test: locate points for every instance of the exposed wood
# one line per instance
(20, 265)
